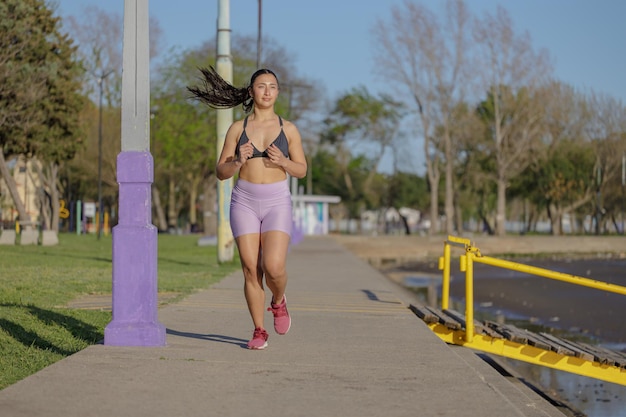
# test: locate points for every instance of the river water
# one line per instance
(527, 301)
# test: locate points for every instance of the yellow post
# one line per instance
(469, 297)
(106, 223)
(445, 284)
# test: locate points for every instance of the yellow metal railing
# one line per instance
(531, 354)
(472, 255)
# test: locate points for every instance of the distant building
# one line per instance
(310, 213)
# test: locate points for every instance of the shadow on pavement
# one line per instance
(211, 338)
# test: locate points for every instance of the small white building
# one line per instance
(310, 213)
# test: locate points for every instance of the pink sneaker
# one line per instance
(259, 339)
(282, 321)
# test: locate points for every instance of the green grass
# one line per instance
(37, 283)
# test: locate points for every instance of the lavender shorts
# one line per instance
(259, 208)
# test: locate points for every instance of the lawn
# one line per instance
(37, 283)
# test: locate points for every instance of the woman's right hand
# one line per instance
(245, 152)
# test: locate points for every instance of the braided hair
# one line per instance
(218, 93)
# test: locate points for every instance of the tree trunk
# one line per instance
(555, 215)
(458, 217)
(449, 184)
(194, 181)
(449, 197)
(45, 214)
(158, 208)
(209, 202)
(501, 207)
(49, 193)
(54, 197)
(434, 204)
(172, 216)
(432, 171)
(24, 217)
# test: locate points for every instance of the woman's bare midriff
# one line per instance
(261, 171)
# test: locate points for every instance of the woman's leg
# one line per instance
(274, 246)
(249, 247)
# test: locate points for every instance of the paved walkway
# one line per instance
(354, 350)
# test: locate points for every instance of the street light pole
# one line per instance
(100, 214)
(258, 39)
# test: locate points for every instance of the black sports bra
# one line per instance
(281, 142)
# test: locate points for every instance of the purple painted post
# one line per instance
(135, 293)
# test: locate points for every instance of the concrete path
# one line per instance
(354, 349)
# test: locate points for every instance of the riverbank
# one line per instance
(383, 250)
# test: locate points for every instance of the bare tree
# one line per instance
(99, 35)
(430, 64)
(510, 71)
(567, 115)
(606, 132)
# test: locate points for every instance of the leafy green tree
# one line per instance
(21, 86)
(558, 178)
(407, 190)
(359, 117)
(60, 138)
(560, 181)
(332, 176)
(39, 97)
(614, 195)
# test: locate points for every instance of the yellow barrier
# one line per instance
(508, 348)
(472, 255)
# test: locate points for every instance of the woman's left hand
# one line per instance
(276, 155)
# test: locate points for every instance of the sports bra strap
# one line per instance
(245, 122)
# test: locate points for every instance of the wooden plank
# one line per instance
(611, 357)
(577, 351)
(490, 331)
(479, 327)
(456, 321)
(495, 327)
(527, 337)
(424, 314)
(598, 356)
(513, 334)
(446, 320)
(541, 343)
(458, 317)
(605, 356)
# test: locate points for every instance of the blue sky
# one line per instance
(331, 39)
